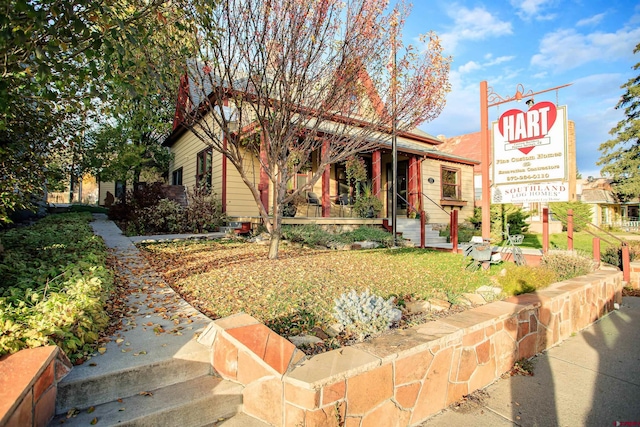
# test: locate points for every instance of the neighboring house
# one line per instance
(606, 209)
(428, 179)
(110, 191)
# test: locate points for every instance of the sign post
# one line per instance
(528, 165)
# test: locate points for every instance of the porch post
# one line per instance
(326, 202)
(263, 187)
(376, 173)
(412, 188)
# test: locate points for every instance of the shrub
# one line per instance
(613, 254)
(465, 233)
(523, 279)
(501, 216)
(308, 234)
(366, 233)
(166, 216)
(365, 315)
(54, 286)
(567, 265)
(203, 212)
(146, 210)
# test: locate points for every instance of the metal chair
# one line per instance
(345, 203)
(313, 200)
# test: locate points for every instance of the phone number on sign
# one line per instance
(528, 177)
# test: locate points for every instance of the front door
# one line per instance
(401, 207)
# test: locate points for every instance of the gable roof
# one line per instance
(597, 195)
(468, 145)
(191, 95)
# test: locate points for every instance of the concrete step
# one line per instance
(241, 420)
(198, 402)
(437, 240)
(89, 386)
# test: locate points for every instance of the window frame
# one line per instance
(457, 185)
(202, 158)
(176, 176)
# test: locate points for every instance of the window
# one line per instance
(176, 177)
(203, 168)
(121, 189)
(450, 184)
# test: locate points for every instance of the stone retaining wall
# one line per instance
(634, 277)
(28, 385)
(403, 377)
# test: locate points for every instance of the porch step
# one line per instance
(110, 380)
(410, 229)
(198, 402)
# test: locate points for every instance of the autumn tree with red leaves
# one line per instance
(305, 76)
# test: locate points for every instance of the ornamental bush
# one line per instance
(365, 315)
(568, 265)
(525, 278)
(53, 286)
(613, 254)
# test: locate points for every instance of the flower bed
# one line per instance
(404, 377)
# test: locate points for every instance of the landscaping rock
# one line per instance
(475, 299)
(489, 289)
(334, 330)
(319, 333)
(300, 340)
(489, 293)
(439, 305)
(365, 245)
(419, 306)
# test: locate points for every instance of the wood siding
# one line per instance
(431, 169)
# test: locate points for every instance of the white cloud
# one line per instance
(595, 19)
(499, 60)
(472, 24)
(566, 49)
(528, 9)
(469, 67)
(475, 66)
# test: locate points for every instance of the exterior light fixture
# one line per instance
(530, 102)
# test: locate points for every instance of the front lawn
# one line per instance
(296, 293)
(582, 241)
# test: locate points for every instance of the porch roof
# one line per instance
(407, 145)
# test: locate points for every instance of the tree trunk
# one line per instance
(274, 244)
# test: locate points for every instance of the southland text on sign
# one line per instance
(530, 147)
(530, 193)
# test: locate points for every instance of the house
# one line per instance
(428, 179)
(606, 209)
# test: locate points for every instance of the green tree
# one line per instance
(621, 156)
(581, 214)
(58, 59)
(301, 77)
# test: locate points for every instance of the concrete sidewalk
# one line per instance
(591, 379)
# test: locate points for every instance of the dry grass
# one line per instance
(296, 293)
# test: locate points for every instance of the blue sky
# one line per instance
(541, 44)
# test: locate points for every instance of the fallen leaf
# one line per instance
(91, 409)
(120, 401)
(119, 341)
(72, 412)
(102, 350)
(121, 409)
(94, 421)
(145, 393)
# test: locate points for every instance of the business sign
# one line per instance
(530, 147)
(530, 193)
